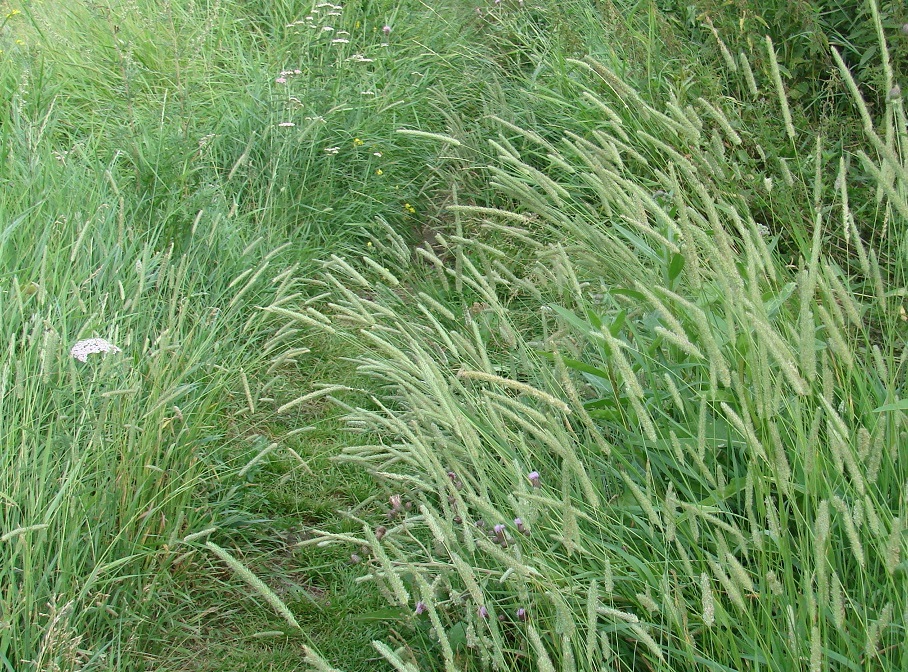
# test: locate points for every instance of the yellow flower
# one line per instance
(409, 208)
(12, 13)
(357, 142)
(379, 172)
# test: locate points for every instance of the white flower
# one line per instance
(286, 124)
(91, 346)
(332, 150)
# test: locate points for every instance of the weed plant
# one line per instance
(635, 398)
(689, 456)
(168, 170)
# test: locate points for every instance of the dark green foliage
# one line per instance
(803, 32)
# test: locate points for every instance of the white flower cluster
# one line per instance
(91, 346)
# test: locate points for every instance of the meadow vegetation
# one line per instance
(520, 335)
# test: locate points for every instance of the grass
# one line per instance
(358, 305)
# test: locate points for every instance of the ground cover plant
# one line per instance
(614, 326)
(169, 172)
(690, 457)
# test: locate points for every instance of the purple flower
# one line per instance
(521, 614)
(280, 80)
(520, 526)
(454, 480)
(483, 612)
(533, 477)
(420, 607)
(386, 30)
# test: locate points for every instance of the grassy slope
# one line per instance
(128, 128)
(164, 120)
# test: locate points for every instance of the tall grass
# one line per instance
(621, 428)
(103, 461)
(169, 170)
(112, 229)
(637, 391)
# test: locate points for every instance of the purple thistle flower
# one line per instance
(520, 526)
(483, 612)
(420, 607)
(533, 477)
(521, 614)
(386, 30)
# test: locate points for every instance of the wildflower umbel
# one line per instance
(91, 346)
